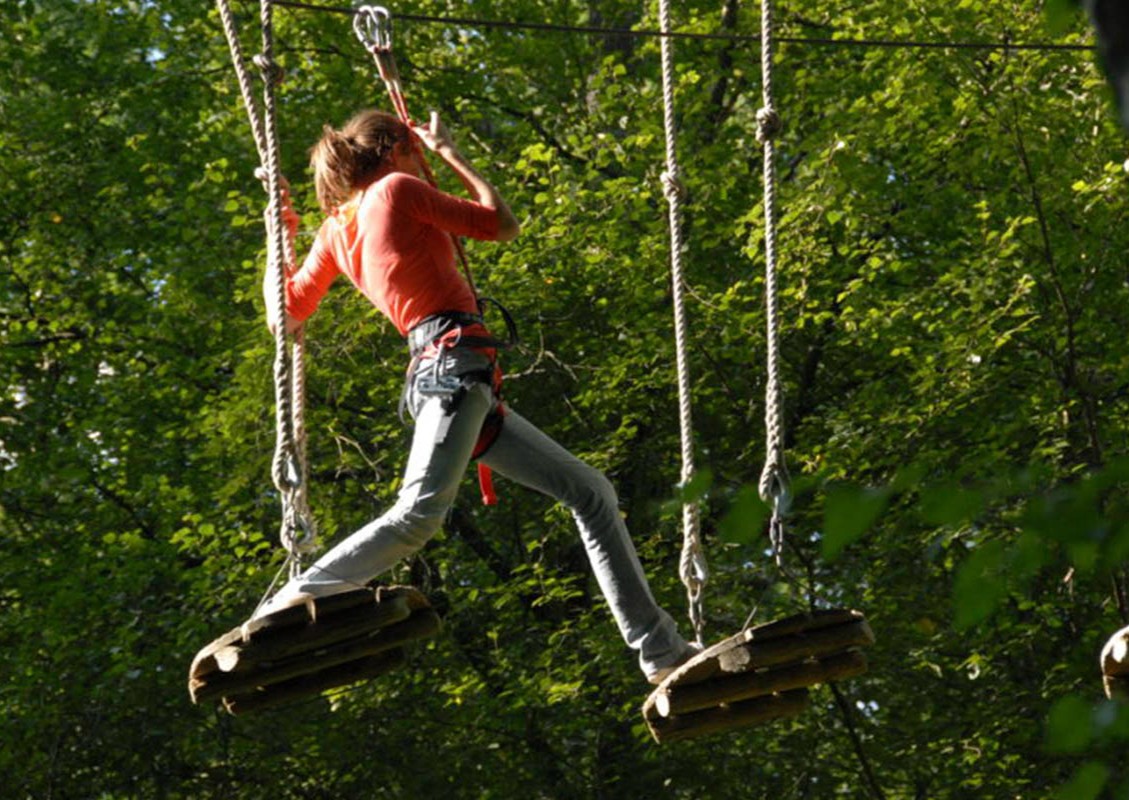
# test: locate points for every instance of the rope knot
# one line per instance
(272, 73)
(673, 188)
(769, 124)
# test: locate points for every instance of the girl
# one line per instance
(390, 233)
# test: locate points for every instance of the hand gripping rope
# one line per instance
(289, 470)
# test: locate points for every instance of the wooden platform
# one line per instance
(758, 675)
(306, 649)
(1115, 665)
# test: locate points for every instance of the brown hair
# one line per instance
(349, 159)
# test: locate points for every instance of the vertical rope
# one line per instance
(692, 567)
(774, 484)
(289, 469)
(243, 78)
(296, 533)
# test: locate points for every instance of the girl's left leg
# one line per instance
(526, 455)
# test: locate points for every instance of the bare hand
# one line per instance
(435, 136)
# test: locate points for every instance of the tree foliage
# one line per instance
(954, 298)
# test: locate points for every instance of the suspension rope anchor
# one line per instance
(373, 26)
(298, 534)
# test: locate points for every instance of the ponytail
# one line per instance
(351, 158)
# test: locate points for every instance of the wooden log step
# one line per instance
(1115, 654)
(799, 623)
(683, 699)
(791, 639)
(279, 643)
(727, 717)
(277, 694)
(286, 620)
(421, 623)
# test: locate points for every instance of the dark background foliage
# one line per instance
(954, 299)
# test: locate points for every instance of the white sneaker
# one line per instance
(283, 600)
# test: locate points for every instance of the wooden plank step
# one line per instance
(1115, 654)
(278, 694)
(727, 717)
(421, 624)
(280, 643)
(282, 623)
(313, 638)
(759, 674)
(790, 639)
(671, 700)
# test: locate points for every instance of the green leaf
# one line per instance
(1087, 784)
(1070, 726)
(950, 504)
(847, 514)
(1060, 14)
(743, 522)
(979, 586)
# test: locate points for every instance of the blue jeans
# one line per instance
(441, 450)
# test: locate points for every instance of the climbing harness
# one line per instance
(290, 470)
(764, 672)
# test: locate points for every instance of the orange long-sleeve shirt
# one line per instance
(392, 241)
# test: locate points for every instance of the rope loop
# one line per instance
(285, 471)
(769, 124)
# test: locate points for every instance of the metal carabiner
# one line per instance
(373, 26)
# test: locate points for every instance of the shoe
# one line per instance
(660, 675)
(281, 601)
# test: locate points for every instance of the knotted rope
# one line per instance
(692, 567)
(774, 484)
(289, 469)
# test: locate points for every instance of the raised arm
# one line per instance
(437, 138)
